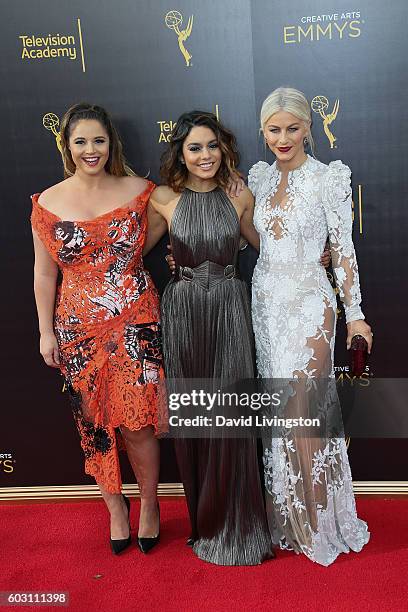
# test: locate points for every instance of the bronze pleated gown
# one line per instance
(207, 333)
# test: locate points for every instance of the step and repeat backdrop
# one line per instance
(147, 62)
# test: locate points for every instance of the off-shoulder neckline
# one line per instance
(125, 207)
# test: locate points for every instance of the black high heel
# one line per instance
(119, 546)
(146, 544)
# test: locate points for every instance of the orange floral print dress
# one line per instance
(107, 325)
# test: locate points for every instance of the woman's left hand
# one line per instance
(362, 328)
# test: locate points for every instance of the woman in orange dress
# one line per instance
(100, 326)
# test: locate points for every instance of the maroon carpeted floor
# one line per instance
(64, 547)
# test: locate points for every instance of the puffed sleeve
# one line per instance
(255, 175)
(336, 198)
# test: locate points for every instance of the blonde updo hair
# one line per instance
(292, 101)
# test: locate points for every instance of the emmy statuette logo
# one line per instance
(174, 21)
(319, 105)
(51, 123)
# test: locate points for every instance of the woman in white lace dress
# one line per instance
(299, 202)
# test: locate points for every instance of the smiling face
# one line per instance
(201, 153)
(89, 146)
(284, 134)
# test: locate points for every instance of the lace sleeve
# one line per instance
(337, 204)
(255, 174)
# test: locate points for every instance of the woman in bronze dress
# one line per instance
(207, 331)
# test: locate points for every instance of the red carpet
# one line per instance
(64, 547)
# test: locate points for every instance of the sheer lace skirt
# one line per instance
(310, 501)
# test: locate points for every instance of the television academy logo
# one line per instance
(167, 126)
(174, 21)
(53, 46)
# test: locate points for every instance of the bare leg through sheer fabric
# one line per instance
(310, 501)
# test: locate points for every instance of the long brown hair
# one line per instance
(175, 173)
(116, 164)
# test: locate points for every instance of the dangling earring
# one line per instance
(305, 141)
(182, 160)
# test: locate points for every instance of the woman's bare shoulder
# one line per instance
(137, 182)
(163, 195)
(132, 185)
(49, 198)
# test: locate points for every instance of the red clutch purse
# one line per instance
(359, 354)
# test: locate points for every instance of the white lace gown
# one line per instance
(310, 501)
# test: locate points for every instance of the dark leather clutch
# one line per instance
(359, 354)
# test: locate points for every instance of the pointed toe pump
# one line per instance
(119, 546)
(146, 544)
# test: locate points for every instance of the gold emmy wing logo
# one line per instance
(174, 21)
(51, 123)
(319, 105)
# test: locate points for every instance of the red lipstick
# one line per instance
(284, 149)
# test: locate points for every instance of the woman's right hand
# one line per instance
(49, 349)
(171, 262)
(235, 185)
